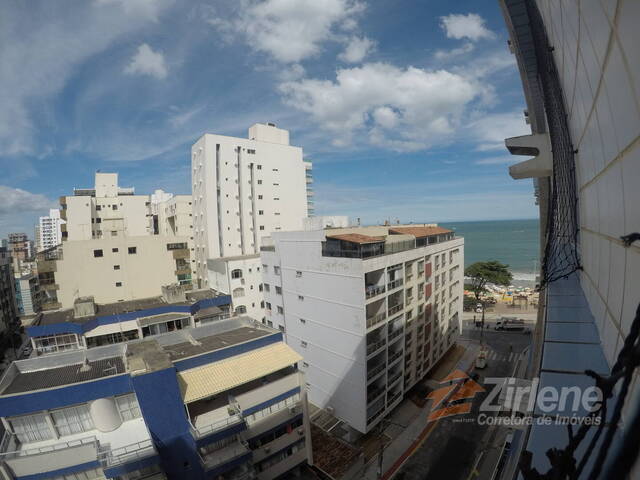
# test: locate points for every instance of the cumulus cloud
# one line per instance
(402, 109)
(471, 26)
(147, 62)
(16, 200)
(498, 160)
(289, 30)
(357, 49)
(454, 52)
(490, 130)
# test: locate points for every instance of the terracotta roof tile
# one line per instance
(357, 238)
(420, 232)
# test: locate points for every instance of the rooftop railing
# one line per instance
(374, 290)
(372, 347)
(129, 453)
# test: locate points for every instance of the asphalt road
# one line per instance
(453, 446)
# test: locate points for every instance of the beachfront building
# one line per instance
(244, 189)
(224, 401)
(49, 230)
(580, 71)
(370, 310)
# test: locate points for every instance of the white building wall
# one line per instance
(244, 289)
(596, 51)
(321, 307)
(141, 274)
(49, 232)
(244, 189)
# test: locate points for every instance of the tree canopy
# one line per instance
(482, 273)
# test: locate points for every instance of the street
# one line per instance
(454, 445)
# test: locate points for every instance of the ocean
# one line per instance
(512, 242)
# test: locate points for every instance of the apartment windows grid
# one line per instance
(70, 420)
(31, 428)
(128, 407)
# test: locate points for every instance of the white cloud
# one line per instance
(471, 26)
(402, 109)
(454, 52)
(147, 62)
(357, 49)
(490, 130)
(49, 55)
(16, 200)
(289, 30)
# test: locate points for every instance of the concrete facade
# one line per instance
(8, 314)
(368, 325)
(244, 189)
(49, 230)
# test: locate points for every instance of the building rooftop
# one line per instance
(136, 356)
(420, 231)
(358, 238)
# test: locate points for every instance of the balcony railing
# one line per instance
(374, 394)
(395, 308)
(393, 398)
(224, 455)
(372, 372)
(374, 290)
(372, 347)
(10, 446)
(234, 418)
(129, 453)
(394, 356)
(395, 283)
(393, 378)
(395, 334)
(376, 319)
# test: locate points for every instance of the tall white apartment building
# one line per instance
(49, 231)
(93, 213)
(244, 189)
(370, 310)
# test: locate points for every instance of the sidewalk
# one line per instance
(404, 441)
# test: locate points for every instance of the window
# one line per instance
(259, 182)
(303, 344)
(261, 227)
(128, 407)
(260, 212)
(301, 298)
(238, 292)
(115, 207)
(298, 273)
(277, 213)
(132, 250)
(267, 288)
(98, 207)
(259, 197)
(251, 151)
(305, 364)
(276, 270)
(268, 306)
(97, 253)
(98, 220)
(281, 327)
(116, 267)
(241, 309)
(118, 284)
(303, 321)
(280, 310)
(31, 428)
(68, 421)
(259, 167)
(236, 273)
(278, 290)
(276, 198)
(114, 233)
(114, 250)
(176, 246)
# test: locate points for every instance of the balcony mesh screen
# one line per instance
(561, 256)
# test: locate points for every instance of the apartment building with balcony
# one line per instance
(49, 230)
(8, 313)
(580, 73)
(89, 325)
(119, 268)
(223, 401)
(20, 249)
(244, 189)
(370, 310)
(28, 297)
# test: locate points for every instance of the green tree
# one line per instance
(482, 273)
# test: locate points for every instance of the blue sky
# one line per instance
(402, 106)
